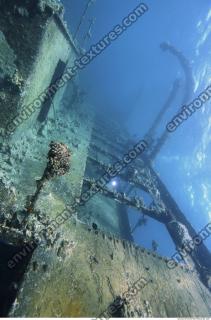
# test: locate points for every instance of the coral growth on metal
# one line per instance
(58, 160)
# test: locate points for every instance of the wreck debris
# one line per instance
(53, 5)
(89, 3)
(181, 233)
(153, 211)
(13, 236)
(17, 80)
(154, 246)
(150, 135)
(141, 222)
(166, 106)
(189, 89)
(116, 308)
(59, 159)
(88, 35)
(58, 165)
(163, 207)
(206, 277)
(94, 226)
(188, 92)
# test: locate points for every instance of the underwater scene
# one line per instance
(105, 148)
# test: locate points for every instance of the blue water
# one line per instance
(131, 81)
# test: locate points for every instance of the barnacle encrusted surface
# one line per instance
(58, 160)
(53, 5)
(181, 232)
(58, 165)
